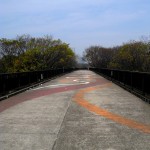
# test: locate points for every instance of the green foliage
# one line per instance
(59, 56)
(26, 53)
(130, 56)
(31, 60)
(133, 56)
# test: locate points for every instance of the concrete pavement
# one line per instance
(78, 111)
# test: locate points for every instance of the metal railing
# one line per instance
(136, 82)
(11, 82)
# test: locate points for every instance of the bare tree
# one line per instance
(98, 56)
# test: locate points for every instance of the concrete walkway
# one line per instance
(78, 111)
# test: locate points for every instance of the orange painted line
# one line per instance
(79, 98)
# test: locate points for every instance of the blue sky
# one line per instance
(81, 23)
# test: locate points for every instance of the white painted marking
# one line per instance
(79, 77)
(59, 85)
(75, 80)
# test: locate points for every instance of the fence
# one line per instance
(12, 82)
(136, 82)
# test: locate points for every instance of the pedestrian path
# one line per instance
(78, 111)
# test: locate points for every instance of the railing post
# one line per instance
(111, 75)
(131, 81)
(42, 76)
(143, 85)
(124, 77)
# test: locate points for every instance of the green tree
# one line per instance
(31, 60)
(26, 53)
(130, 56)
(59, 56)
